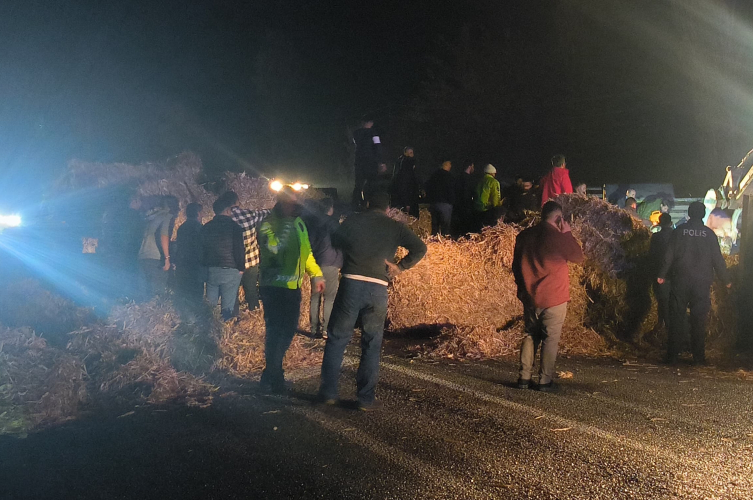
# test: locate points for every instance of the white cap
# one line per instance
(489, 169)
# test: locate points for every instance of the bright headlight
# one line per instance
(275, 185)
(10, 220)
(297, 186)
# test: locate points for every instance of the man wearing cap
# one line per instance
(369, 241)
(488, 200)
(691, 258)
(285, 256)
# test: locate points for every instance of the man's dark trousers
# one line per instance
(686, 294)
(191, 282)
(662, 293)
(370, 301)
(250, 284)
(282, 308)
(441, 217)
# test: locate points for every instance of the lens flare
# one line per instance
(275, 185)
(10, 221)
(297, 186)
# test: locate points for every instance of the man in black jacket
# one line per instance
(406, 187)
(369, 161)
(321, 225)
(189, 271)
(224, 256)
(440, 191)
(369, 241)
(462, 211)
(692, 257)
(656, 252)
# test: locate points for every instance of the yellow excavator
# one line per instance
(735, 195)
(731, 196)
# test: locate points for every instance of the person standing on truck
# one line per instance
(369, 163)
(557, 181)
(462, 211)
(540, 268)
(692, 257)
(406, 187)
(440, 191)
(487, 202)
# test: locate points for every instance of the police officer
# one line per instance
(692, 256)
(369, 163)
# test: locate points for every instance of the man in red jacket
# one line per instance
(557, 181)
(540, 268)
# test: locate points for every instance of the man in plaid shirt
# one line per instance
(248, 220)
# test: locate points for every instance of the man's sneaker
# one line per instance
(375, 405)
(549, 386)
(524, 383)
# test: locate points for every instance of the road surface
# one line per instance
(449, 430)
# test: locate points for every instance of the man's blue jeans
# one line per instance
(354, 298)
(222, 284)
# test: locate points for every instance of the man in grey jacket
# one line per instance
(369, 241)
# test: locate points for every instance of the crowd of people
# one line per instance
(458, 203)
(267, 254)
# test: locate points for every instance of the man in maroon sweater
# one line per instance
(540, 268)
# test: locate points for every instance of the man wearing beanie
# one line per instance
(692, 257)
(488, 200)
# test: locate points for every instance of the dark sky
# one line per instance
(647, 90)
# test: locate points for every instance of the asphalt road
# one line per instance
(448, 430)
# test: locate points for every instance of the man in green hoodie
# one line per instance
(285, 256)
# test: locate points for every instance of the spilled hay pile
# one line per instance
(47, 374)
(465, 290)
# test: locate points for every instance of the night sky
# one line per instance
(639, 91)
